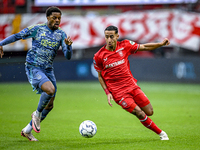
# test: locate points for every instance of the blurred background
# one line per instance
(84, 21)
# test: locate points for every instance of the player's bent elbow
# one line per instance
(68, 56)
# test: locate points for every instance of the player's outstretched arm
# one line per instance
(152, 46)
(1, 51)
(8, 40)
(109, 95)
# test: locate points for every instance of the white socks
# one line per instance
(28, 128)
(38, 114)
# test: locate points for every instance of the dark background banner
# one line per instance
(143, 69)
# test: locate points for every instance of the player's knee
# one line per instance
(51, 90)
(149, 112)
(138, 113)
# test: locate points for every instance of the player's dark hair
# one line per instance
(52, 9)
(112, 28)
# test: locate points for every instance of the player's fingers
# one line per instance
(111, 97)
(109, 102)
(69, 40)
(1, 53)
(168, 42)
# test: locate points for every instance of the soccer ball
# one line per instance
(88, 129)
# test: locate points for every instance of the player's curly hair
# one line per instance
(52, 9)
(111, 28)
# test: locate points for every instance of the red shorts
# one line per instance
(132, 99)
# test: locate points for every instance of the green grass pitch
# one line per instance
(176, 111)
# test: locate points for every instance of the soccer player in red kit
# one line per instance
(111, 63)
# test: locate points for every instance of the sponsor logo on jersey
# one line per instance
(49, 43)
(115, 63)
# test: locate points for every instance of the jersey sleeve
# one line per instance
(97, 63)
(66, 49)
(10, 39)
(64, 35)
(28, 32)
(133, 47)
(23, 34)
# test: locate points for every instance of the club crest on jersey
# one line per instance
(120, 53)
(57, 36)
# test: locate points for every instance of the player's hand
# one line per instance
(1, 51)
(110, 98)
(165, 42)
(68, 41)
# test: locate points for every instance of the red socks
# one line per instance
(147, 122)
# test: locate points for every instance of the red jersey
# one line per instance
(115, 69)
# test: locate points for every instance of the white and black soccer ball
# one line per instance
(88, 129)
